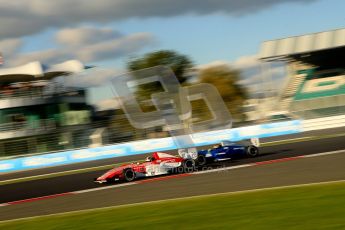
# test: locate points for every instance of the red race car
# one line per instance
(158, 164)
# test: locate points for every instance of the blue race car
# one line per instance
(228, 150)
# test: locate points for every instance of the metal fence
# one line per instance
(19, 93)
(115, 130)
(42, 124)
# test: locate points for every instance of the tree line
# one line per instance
(222, 77)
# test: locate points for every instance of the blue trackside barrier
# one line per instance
(147, 146)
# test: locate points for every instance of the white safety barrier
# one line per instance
(323, 123)
(163, 144)
(147, 146)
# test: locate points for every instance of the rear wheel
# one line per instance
(188, 166)
(128, 174)
(252, 151)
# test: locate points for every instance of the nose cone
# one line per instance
(103, 179)
(104, 176)
(107, 176)
(99, 180)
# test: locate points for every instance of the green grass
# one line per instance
(304, 207)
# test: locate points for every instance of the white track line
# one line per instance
(176, 199)
(62, 173)
(103, 188)
(324, 153)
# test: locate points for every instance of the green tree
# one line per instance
(225, 80)
(179, 64)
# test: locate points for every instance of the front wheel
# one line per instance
(128, 174)
(201, 160)
(252, 151)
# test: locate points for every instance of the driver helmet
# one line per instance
(216, 146)
(148, 159)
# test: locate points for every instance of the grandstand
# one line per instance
(315, 83)
(38, 114)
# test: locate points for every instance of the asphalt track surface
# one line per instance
(208, 183)
(292, 172)
(79, 181)
(20, 174)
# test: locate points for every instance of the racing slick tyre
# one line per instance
(201, 160)
(252, 151)
(128, 174)
(188, 166)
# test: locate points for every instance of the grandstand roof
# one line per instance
(302, 46)
(38, 71)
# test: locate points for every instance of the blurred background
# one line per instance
(55, 93)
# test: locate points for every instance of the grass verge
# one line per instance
(320, 206)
